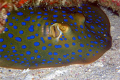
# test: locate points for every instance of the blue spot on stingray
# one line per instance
(16, 54)
(49, 44)
(38, 17)
(55, 11)
(80, 11)
(32, 37)
(45, 18)
(67, 45)
(66, 20)
(79, 37)
(38, 25)
(31, 12)
(23, 23)
(89, 16)
(64, 15)
(92, 27)
(81, 26)
(45, 13)
(14, 51)
(71, 24)
(31, 28)
(32, 57)
(58, 46)
(4, 46)
(8, 13)
(73, 38)
(10, 35)
(38, 56)
(22, 62)
(61, 39)
(15, 27)
(49, 61)
(5, 56)
(73, 53)
(55, 16)
(36, 51)
(59, 59)
(89, 35)
(24, 46)
(49, 38)
(68, 60)
(46, 23)
(16, 19)
(88, 7)
(6, 29)
(30, 8)
(73, 44)
(90, 50)
(10, 24)
(11, 55)
(13, 47)
(54, 20)
(52, 23)
(51, 9)
(75, 23)
(39, 13)
(13, 17)
(80, 55)
(85, 37)
(90, 11)
(21, 32)
(96, 51)
(91, 46)
(33, 20)
(1, 50)
(81, 45)
(36, 64)
(36, 43)
(20, 13)
(27, 19)
(82, 32)
(43, 48)
(72, 58)
(65, 56)
(28, 52)
(18, 39)
(87, 54)
(52, 58)
(99, 26)
(50, 53)
(55, 53)
(12, 60)
(36, 34)
(28, 38)
(1, 39)
(79, 50)
(63, 11)
(42, 39)
(71, 17)
(17, 58)
(8, 58)
(44, 60)
(87, 44)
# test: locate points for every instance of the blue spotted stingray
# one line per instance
(40, 37)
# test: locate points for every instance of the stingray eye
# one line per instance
(64, 28)
(57, 29)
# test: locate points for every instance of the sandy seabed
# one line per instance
(105, 68)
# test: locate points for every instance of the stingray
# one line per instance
(42, 38)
